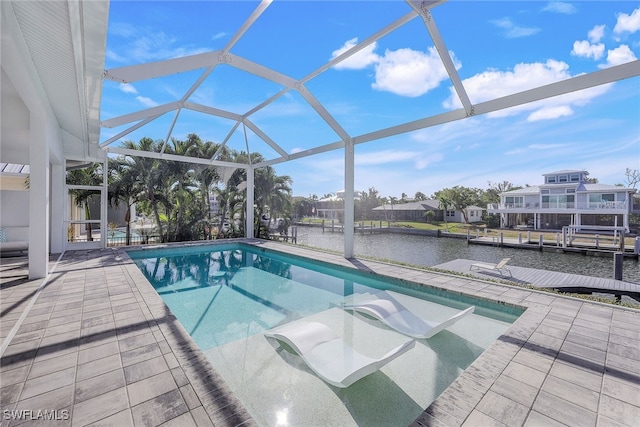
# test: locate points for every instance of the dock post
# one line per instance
(618, 259)
(528, 236)
(597, 241)
(519, 238)
(323, 225)
(541, 241)
(501, 238)
(333, 224)
(468, 236)
(557, 239)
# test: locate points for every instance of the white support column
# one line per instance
(103, 203)
(349, 172)
(58, 196)
(38, 197)
(250, 200)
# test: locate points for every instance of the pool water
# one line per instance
(227, 296)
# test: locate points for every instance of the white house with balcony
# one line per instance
(565, 198)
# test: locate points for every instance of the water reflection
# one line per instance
(429, 251)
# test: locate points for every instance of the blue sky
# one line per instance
(498, 48)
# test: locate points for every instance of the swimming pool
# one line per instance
(227, 296)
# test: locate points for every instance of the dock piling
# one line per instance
(618, 259)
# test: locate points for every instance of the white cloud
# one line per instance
(585, 49)
(128, 88)
(560, 7)
(620, 55)
(596, 33)
(141, 44)
(493, 84)
(409, 72)
(147, 102)
(358, 61)
(404, 72)
(628, 23)
(549, 113)
(219, 35)
(545, 146)
(428, 160)
(384, 157)
(514, 31)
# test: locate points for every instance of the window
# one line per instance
(551, 179)
(472, 213)
(571, 190)
(514, 201)
(544, 191)
(561, 201)
(563, 178)
(574, 177)
(451, 213)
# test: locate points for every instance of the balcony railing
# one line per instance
(602, 205)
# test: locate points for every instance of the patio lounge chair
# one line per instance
(499, 267)
(395, 315)
(329, 356)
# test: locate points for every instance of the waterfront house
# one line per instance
(565, 198)
(415, 211)
(332, 207)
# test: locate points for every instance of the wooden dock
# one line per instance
(563, 282)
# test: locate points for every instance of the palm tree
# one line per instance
(272, 192)
(181, 180)
(125, 187)
(207, 176)
(149, 176)
(92, 176)
(445, 203)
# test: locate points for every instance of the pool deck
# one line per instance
(96, 344)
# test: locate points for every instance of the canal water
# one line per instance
(430, 251)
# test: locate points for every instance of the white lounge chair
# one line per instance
(499, 267)
(395, 315)
(328, 355)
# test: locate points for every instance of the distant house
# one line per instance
(565, 198)
(332, 207)
(415, 211)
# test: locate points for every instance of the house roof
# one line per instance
(422, 205)
(566, 171)
(535, 189)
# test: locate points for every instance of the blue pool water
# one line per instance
(227, 295)
(224, 293)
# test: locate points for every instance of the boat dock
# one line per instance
(563, 282)
(595, 246)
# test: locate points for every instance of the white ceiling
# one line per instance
(61, 47)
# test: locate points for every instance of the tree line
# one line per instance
(177, 194)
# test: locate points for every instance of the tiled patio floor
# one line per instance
(98, 346)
